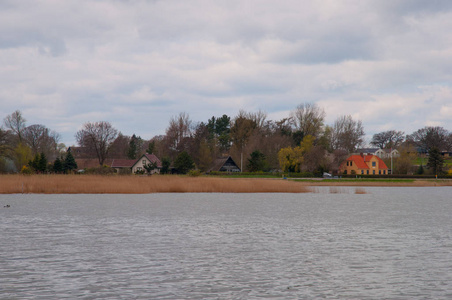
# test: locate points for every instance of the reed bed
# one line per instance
(98, 184)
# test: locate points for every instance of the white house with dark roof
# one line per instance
(144, 160)
(381, 153)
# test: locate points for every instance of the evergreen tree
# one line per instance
(69, 163)
(42, 164)
(166, 162)
(132, 151)
(184, 163)
(435, 161)
(57, 165)
(257, 162)
(420, 170)
(34, 164)
(151, 147)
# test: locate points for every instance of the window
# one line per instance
(379, 172)
(351, 162)
(367, 172)
(362, 172)
(374, 164)
(144, 162)
(347, 163)
(384, 172)
(373, 172)
(139, 168)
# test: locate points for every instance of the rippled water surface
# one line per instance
(391, 243)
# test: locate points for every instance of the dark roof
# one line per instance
(86, 163)
(222, 164)
(122, 163)
(151, 158)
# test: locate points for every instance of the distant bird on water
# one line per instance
(7, 206)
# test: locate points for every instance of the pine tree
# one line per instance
(256, 162)
(57, 165)
(69, 163)
(132, 151)
(435, 161)
(42, 164)
(184, 163)
(166, 163)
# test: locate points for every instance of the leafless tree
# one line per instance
(178, 131)
(97, 137)
(16, 123)
(347, 134)
(309, 119)
(242, 129)
(432, 137)
(41, 139)
(5, 143)
(388, 139)
(119, 147)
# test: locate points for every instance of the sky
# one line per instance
(137, 63)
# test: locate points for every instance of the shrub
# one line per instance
(194, 173)
(26, 170)
(100, 170)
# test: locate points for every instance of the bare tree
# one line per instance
(41, 139)
(309, 119)
(432, 137)
(16, 122)
(178, 131)
(97, 137)
(242, 129)
(388, 139)
(5, 143)
(347, 134)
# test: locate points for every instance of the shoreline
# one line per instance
(114, 184)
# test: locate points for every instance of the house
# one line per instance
(120, 164)
(364, 165)
(144, 160)
(381, 153)
(225, 164)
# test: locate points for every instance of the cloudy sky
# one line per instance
(137, 63)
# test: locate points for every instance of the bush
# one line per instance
(194, 173)
(26, 170)
(125, 171)
(100, 171)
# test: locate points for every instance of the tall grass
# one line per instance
(98, 184)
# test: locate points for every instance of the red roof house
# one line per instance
(364, 165)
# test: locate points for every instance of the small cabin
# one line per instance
(225, 164)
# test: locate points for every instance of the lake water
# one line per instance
(391, 243)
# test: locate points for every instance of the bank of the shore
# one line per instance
(97, 184)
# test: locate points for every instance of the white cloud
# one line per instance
(137, 63)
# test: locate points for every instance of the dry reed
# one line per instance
(97, 184)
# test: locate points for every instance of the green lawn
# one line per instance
(358, 180)
(423, 160)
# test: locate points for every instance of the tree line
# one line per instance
(301, 142)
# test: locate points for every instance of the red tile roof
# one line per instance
(360, 161)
